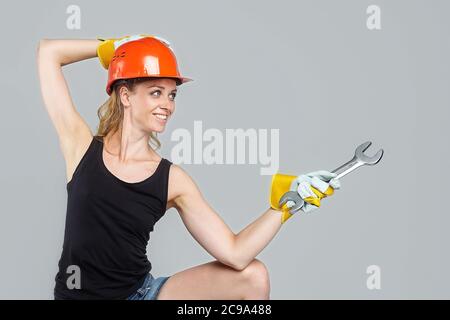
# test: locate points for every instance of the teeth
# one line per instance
(161, 116)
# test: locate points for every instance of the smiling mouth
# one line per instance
(162, 117)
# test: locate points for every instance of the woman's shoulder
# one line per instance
(177, 173)
(180, 182)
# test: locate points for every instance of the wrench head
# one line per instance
(292, 196)
(359, 154)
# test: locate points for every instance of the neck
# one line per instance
(128, 147)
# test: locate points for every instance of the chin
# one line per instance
(157, 128)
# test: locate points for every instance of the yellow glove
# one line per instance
(107, 47)
(280, 184)
(311, 187)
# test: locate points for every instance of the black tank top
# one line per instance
(107, 229)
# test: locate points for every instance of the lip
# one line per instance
(161, 120)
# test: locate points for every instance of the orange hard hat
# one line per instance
(144, 57)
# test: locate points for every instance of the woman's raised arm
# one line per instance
(52, 55)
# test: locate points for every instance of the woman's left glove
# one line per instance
(311, 187)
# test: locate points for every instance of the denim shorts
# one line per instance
(149, 289)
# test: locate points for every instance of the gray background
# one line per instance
(311, 69)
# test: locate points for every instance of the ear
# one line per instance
(124, 96)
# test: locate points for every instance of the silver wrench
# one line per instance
(358, 160)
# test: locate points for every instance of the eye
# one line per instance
(159, 92)
(156, 91)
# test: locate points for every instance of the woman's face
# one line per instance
(152, 104)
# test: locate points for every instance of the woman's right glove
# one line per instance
(311, 187)
(107, 47)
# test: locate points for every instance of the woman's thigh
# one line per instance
(212, 280)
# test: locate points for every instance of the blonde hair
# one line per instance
(110, 112)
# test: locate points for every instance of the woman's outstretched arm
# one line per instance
(209, 229)
(73, 132)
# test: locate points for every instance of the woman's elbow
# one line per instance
(42, 44)
(47, 48)
(42, 47)
(234, 262)
(233, 265)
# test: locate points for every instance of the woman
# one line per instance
(119, 187)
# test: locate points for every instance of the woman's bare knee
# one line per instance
(212, 280)
(257, 277)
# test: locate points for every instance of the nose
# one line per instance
(167, 109)
(168, 105)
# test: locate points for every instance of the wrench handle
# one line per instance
(347, 167)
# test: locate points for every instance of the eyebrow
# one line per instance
(151, 86)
